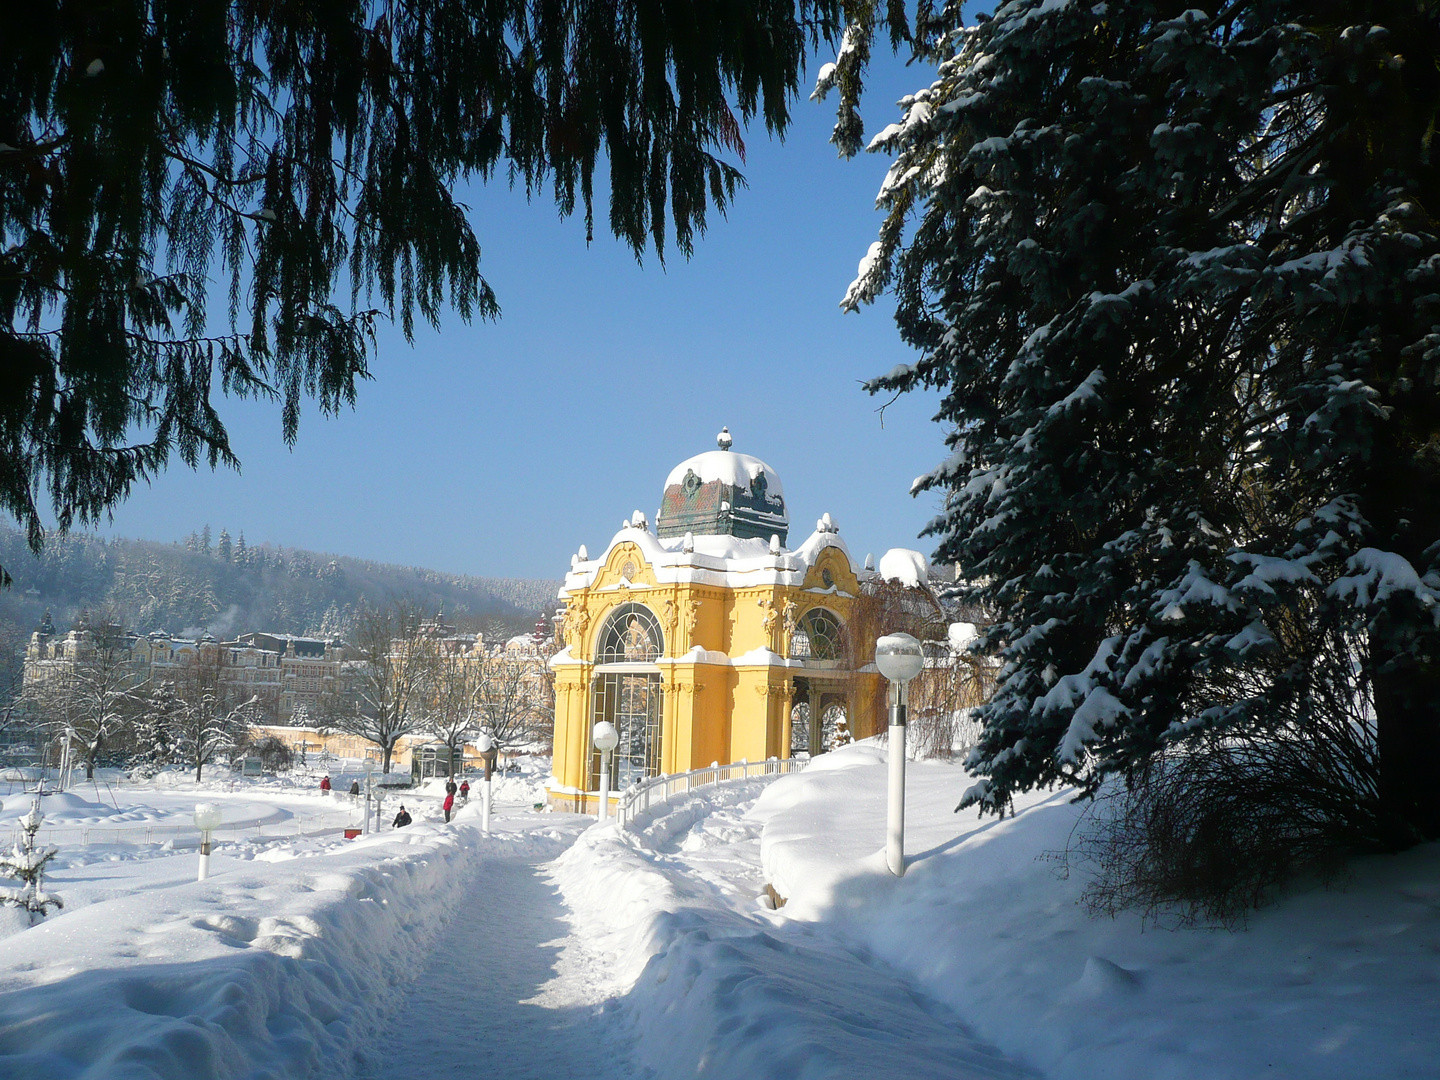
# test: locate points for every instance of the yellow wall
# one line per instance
(710, 712)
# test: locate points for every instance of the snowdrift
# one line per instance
(269, 969)
(1337, 983)
(715, 985)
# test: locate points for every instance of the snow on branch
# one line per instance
(1375, 577)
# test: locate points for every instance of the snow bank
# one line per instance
(1325, 984)
(277, 967)
(713, 984)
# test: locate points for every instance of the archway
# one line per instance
(627, 692)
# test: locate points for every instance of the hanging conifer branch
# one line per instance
(151, 148)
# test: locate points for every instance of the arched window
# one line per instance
(819, 636)
(631, 636)
(627, 692)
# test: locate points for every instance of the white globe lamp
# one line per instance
(606, 739)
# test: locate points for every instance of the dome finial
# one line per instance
(723, 440)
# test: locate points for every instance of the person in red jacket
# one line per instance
(464, 791)
(449, 804)
(325, 784)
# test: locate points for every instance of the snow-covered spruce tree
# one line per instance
(1177, 273)
(27, 864)
(156, 731)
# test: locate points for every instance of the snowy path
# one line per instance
(520, 985)
(500, 996)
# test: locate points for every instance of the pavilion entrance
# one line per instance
(627, 692)
(819, 712)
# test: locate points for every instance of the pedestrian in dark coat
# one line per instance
(402, 818)
(355, 788)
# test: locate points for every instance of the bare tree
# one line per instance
(952, 683)
(384, 688)
(449, 702)
(208, 720)
(509, 698)
(95, 694)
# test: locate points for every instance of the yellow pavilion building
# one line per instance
(708, 639)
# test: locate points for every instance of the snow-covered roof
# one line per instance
(729, 561)
(728, 467)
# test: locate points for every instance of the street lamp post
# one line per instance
(606, 739)
(899, 658)
(486, 745)
(369, 786)
(207, 820)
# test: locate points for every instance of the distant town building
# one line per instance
(285, 672)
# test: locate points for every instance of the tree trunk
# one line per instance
(1408, 738)
(198, 766)
(385, 751)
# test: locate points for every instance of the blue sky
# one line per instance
(499, 448)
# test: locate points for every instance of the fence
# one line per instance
(658, 789)
(187, 835)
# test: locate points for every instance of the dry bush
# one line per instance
(1217, 827)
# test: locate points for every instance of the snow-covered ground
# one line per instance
(1337, 983)
(714, 983)
(284, 963)
(555, 948)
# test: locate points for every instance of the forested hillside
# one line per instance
(226, 587)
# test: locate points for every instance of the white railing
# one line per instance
(187, 835)
(658, 789)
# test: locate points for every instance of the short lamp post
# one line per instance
(65, 757)
(899, 658)
(207, 820)
(369, 787)
(606, 739)
(486, 745)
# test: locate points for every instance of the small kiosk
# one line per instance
(428, 760)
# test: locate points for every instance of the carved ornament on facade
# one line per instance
(768, 615)
(576, 619)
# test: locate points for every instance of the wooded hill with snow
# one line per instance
(227, 587)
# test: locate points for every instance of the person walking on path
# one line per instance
(464, 791)
(355, 788)
(449, 802)
(325, 786)
(402, 818)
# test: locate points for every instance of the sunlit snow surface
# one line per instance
(556, 949)
(1323, 985)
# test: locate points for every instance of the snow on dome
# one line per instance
(905, 566)
(728, 467)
